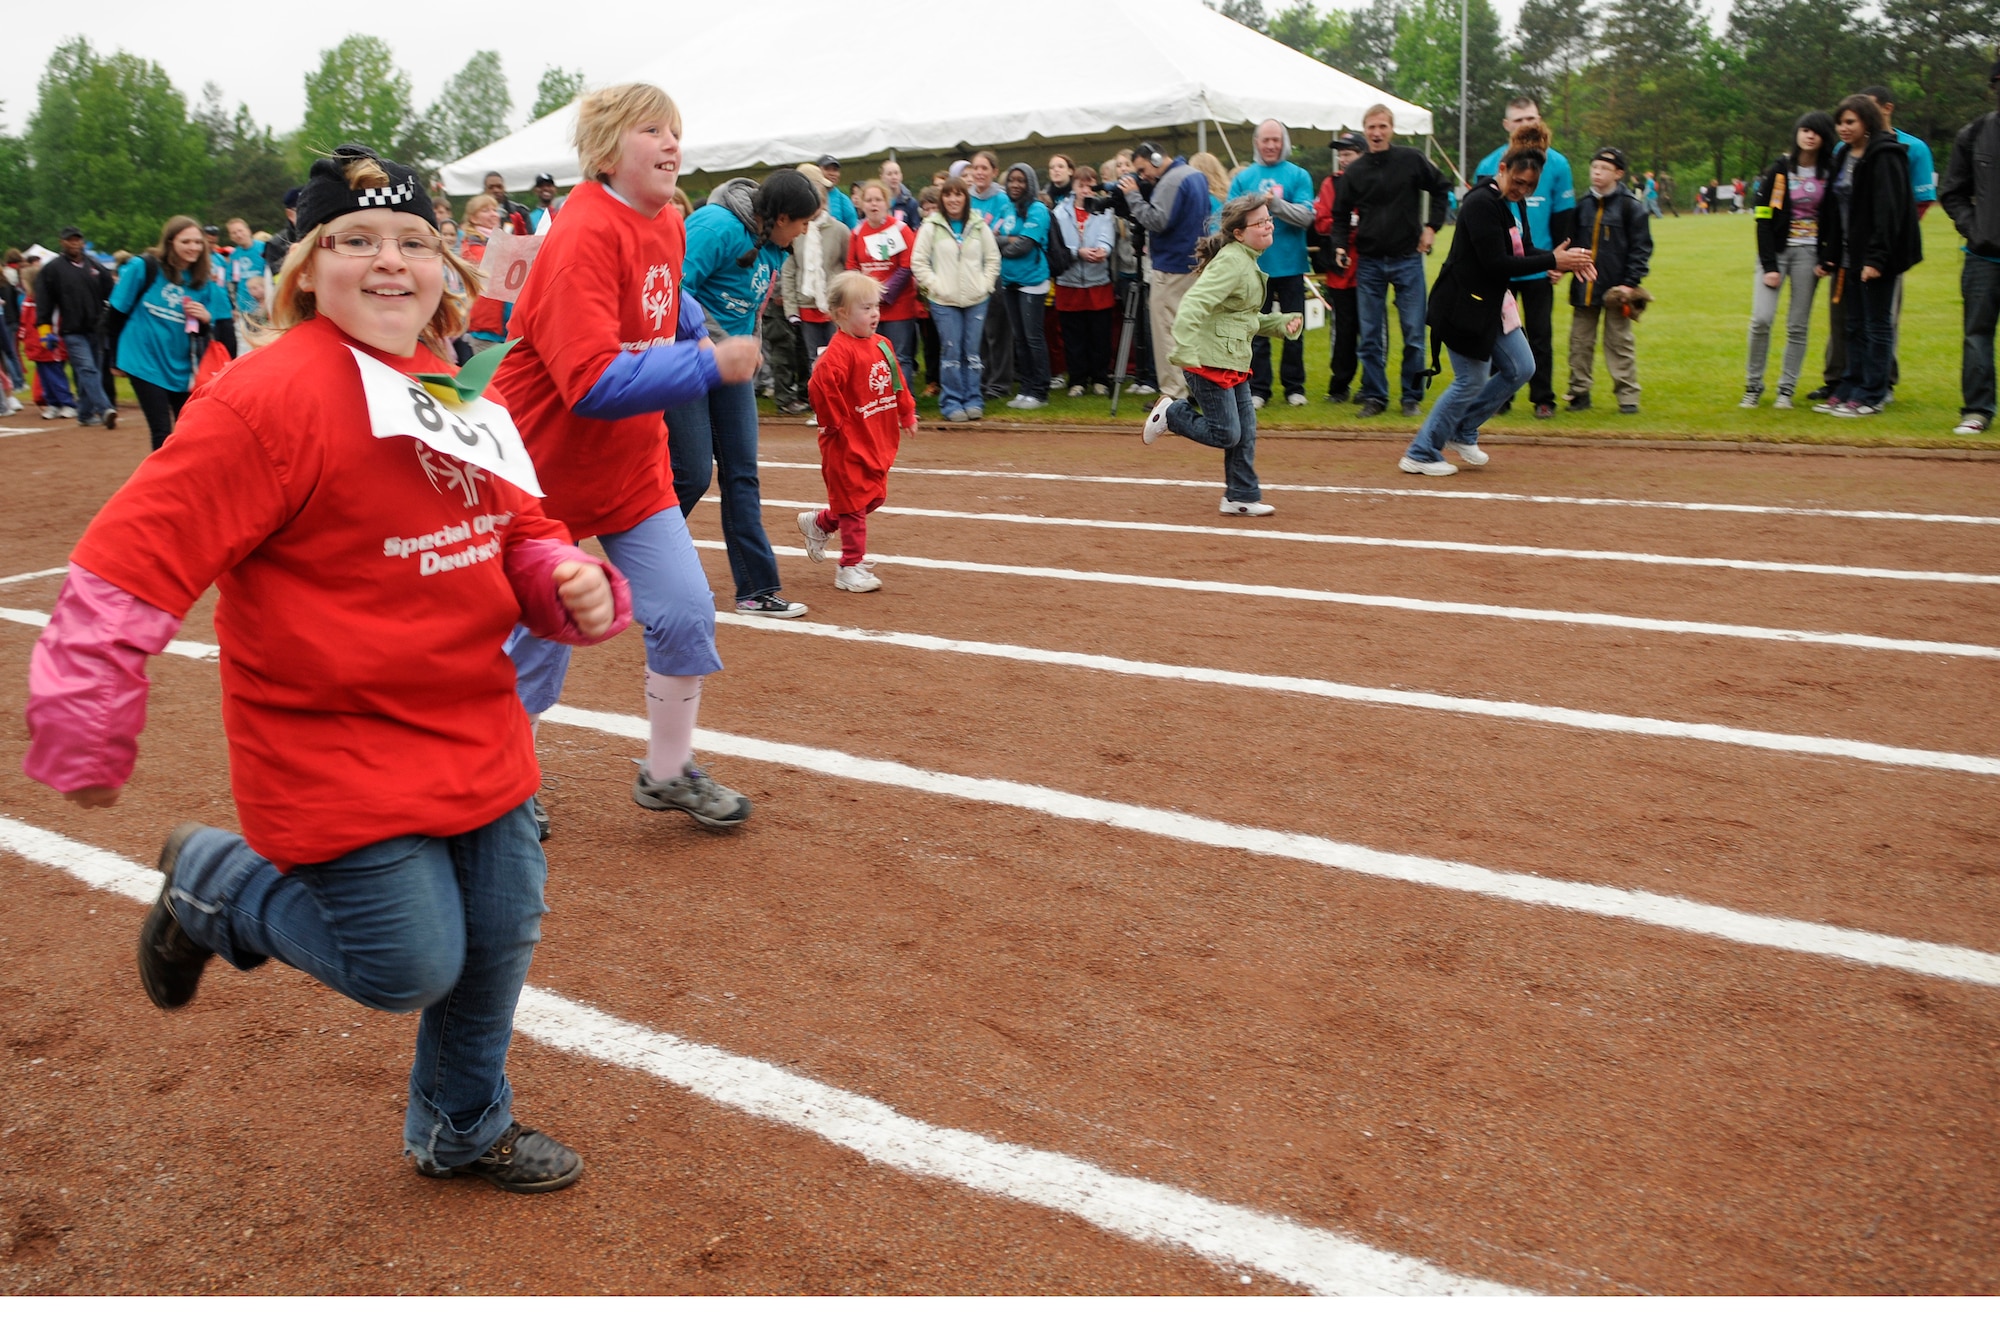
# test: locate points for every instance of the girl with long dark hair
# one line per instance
(1866, 240)
(1789, 198)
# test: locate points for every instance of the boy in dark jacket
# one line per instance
(1971, 195)
(1611, 224)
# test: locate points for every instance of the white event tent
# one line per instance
(950, 74)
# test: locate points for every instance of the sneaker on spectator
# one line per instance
(1256, 403)
(1100, 390)
(1579, 401)
(1824, 392)
(1077, 389)
(1412, 408)
(1752, 396)
(956, 417)
(1828, 406)
(1545, 410)
(1972, 424)
(1409, 465)
(49, 412)
(1784, 401)
(1295, 398)
(975, 413)
(66, 412)
(1854, 410)
(770, 604)
(1371, 407)
(815, 537)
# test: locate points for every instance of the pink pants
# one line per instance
(853, 528)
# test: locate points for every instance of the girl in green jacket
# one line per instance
(1218, 317)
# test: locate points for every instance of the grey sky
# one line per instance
(261, 54)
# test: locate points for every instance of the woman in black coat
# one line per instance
(1472, 311)
(1867, 238)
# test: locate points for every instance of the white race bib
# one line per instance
(506, 263)
(480, 432)
(884, 245)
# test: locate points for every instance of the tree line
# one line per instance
(1651, 76)
(115, 148)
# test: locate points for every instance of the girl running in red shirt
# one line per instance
(609, 341)
(864, 407)
(380, 761)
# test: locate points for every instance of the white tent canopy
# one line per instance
(957, 73)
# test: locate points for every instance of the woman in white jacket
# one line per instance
(818, 256)
(956, 264)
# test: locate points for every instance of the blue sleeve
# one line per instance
(1035, 226)
(704, 250)
(1490, 165)
(126, 294)
(692, 325)
(643, 382)
(1923, 171)
(1240, 185)
(1562, 189)
(1302, 187)
(216, 296)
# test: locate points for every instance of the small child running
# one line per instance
(865, 409)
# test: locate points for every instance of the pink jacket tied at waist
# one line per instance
(87, 676)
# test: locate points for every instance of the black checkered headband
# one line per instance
(328, 198)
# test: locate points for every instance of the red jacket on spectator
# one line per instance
(1337, 278)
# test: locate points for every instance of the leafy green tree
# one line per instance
(357, 95)
(1806, 55)
(1250, 13)
(1553, 45)
(1369, 50)
(16, 221)
(1305, 29)
(111, 148)
(1426, 58)
(472, 110)
(1646, 82)
(558, 88)
(1939, 52)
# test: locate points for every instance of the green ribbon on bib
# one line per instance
(473, 377)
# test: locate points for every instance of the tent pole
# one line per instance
(1233, 163)
(1201, 136)
(1464, 32)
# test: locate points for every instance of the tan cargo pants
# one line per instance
(1621, 353)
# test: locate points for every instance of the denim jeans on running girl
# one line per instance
(445, 926)
(671, 601)
(1477, 389)
(719, 433)
(959, 332)
(1218, 416)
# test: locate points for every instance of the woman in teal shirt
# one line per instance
(169, 298)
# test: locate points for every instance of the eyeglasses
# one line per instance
(367, 244)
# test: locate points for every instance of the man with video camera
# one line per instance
(1175, 217)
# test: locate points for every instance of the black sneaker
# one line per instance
(770, 604)
(1336, 398)
(170, 963)
(1581, 401)
(521, 1161)
(541, 815)
(1628, 408)
(1545, 410)
(1824, 392)
(1413, 407)
(1506, 407)
(111, 419)
(1371, 408)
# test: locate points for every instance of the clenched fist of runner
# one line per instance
(586, 593)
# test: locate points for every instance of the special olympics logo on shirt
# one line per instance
(878, 378)
(446, 474)
(656, 297)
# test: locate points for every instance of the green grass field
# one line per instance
(1692, 347)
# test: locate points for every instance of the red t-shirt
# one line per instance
(363, 608)
(857, 392)
(878, 251)
(606, 279)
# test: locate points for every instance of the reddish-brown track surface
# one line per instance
(1559, 1101)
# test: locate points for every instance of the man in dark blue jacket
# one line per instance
(1175, 218)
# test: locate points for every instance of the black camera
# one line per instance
(1096, 203)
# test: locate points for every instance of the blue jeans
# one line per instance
(670, 600)
(1218, 416)
(90, 398)
(1031, 348)
(719, 432)
(959, 331)
(1371, 283)
(445, 926)
(1979, 284)
(1478, 387)
(1871, 339)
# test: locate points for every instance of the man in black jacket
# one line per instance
(69, 301)
(1971, 195)
(1611, 226)
(1388, 188)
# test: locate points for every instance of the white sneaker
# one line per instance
(1411, 466)
(1230, 508)
(1295, 399)
(1026, 402)
(1156, 420)
(1470, 453)
(1750, 400)
(1971, 424)
(857, 579)
(1078, 390)
(1256, 403)
(50, 412)
(815, 537)
(66, 413)
(1784, 401)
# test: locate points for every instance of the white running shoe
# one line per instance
(1156, 420)
(1077, 389)
(815, 537)
(1971, 424)
(50, 412)
(1230, 508)
(1256, 403)
(1295, 399)
(66, 412)
(1026, 402)
(1750, 399)
(1411, 466)
(1470, 453)
(1784, 401)
(857, 579)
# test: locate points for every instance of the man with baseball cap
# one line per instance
(1333, 232)
(837, 201)
(539, 218)
(70, 298)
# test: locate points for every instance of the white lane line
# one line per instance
(1928, 958)
(1516, 710)
(1402, 602)
(32, 576)
(1433, 546)
(1147, 1211)
(1744, 509)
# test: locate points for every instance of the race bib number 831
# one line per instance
(480, 432)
